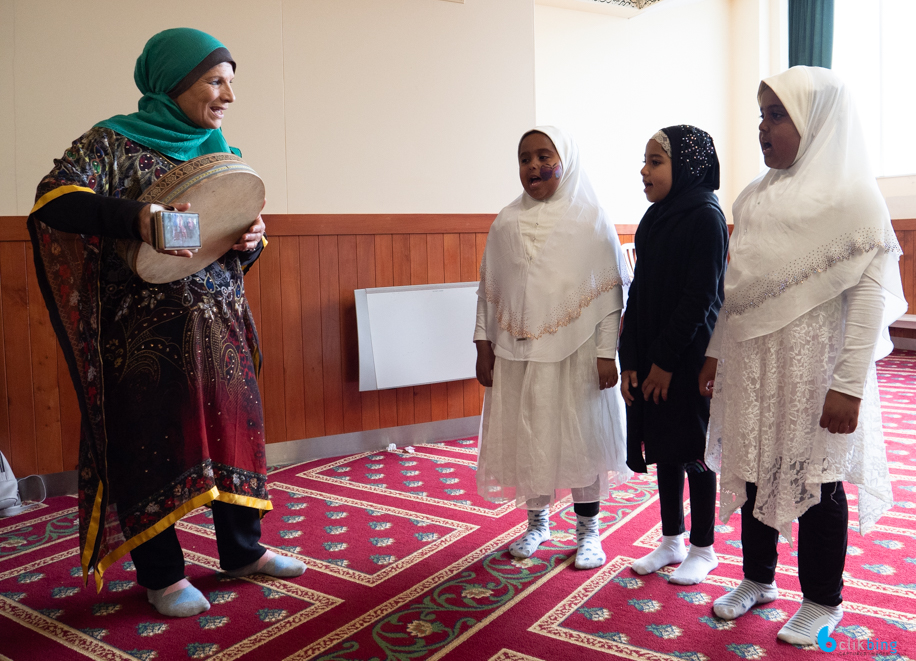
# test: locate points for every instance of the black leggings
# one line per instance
(702, 501)
(587, 509)
(822, 537)
(160, 561)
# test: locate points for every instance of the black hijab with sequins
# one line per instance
(681, 244)
(694, 170)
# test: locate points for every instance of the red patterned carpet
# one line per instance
(407, 562)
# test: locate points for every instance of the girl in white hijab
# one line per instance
(812, 282)
(548, 314)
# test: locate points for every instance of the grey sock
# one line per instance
(181, 603)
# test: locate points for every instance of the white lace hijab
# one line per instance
(545, 309)
(805, 234)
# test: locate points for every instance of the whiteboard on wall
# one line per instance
(410, 336)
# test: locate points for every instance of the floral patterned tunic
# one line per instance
(165, 373)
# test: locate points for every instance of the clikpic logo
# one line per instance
(824, 640)
(864, 646)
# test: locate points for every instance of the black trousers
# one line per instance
(822, 537)
(587, 509)
(702, 502)
(160, 561)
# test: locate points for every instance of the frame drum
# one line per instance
(226, 193)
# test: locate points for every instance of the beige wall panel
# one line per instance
(613, 82)
(406, 106)
(7, 109)
(74, 67)
(750, 61)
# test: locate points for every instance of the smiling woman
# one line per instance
(207, 99)
(166, 374)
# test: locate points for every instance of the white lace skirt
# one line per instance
(547, 430)
(764, 424)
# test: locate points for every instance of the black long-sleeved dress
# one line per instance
(672, 309)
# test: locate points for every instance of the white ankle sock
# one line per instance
(271, 564)
(669, 552)
(696, 566)
(184, 601)
(740, 600)
(802, 628)
(589, 554)
(537, 533)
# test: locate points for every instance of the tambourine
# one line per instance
(223, 190)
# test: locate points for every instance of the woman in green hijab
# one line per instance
(165, 373)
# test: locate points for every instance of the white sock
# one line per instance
(802, 628)
(537, 533)
(699, 562)
(669, 552)
(180, 599)
(589, 553)
(740, 600)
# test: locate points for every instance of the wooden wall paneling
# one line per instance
(405, 406)
(419, 275)
(400, 256)
(17, 347)
(365, 279)
(5, 445)
(293, 376)
(330, 334)
(270, 333)
(451, 249)
(253, 291)
(384, 277)
(46, 388)
(70, 416)
(340, 224)
(400, 248)
(435, 253)
(349, 279)
(470, 269)
(252, 286)
(312, 345)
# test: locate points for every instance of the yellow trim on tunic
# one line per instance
(171, 519)
(56, 193)
(92, 533)
(264, 240)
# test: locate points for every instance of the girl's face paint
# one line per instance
(548, 171)
(539, 166)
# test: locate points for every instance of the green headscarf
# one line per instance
(166, 61)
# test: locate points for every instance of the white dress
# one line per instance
(764, 423)
(547, 430)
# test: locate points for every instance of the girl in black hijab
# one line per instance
(677, 290)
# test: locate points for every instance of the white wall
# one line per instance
(344, 106)
(7, 110)
(613, 82)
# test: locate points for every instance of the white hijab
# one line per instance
(805, 234)
(545, 309)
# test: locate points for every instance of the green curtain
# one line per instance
(811, 33)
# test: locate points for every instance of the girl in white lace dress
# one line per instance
(812, 281)
(548, 313)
